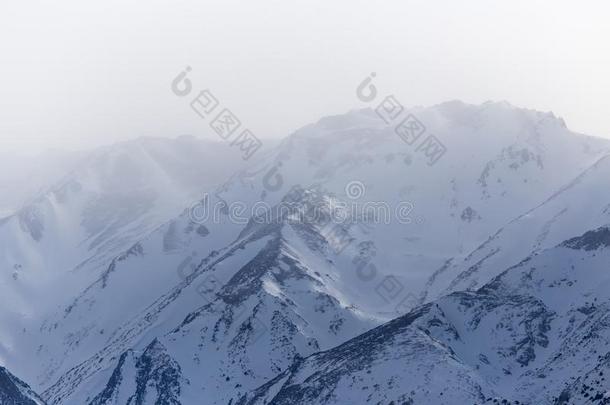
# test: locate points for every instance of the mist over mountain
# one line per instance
(353, 262)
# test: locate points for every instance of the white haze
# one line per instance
(79, 74)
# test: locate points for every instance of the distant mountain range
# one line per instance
(341, 266)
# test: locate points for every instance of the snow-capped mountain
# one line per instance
(13, 391)
(237, 290)
(536, 334)
(500, 162)
(582, 204)
(63, 239)
(111, 194)
(241, 316)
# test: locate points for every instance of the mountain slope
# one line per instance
(153, 373)
(536, 334)
(13, 391)
(282, 299)
(63, 240)
(500, 162)
(582, 204)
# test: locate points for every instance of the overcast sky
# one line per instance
(80, 73)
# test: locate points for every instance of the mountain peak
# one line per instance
(13, 391)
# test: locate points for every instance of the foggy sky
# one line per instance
(76, 74)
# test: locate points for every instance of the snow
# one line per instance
(244, 302)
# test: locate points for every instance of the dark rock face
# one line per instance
(32, 222)
(591, 388)
(469, 215)
(115, 380)
(13, 391)
(157, 376)
(592, 240)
